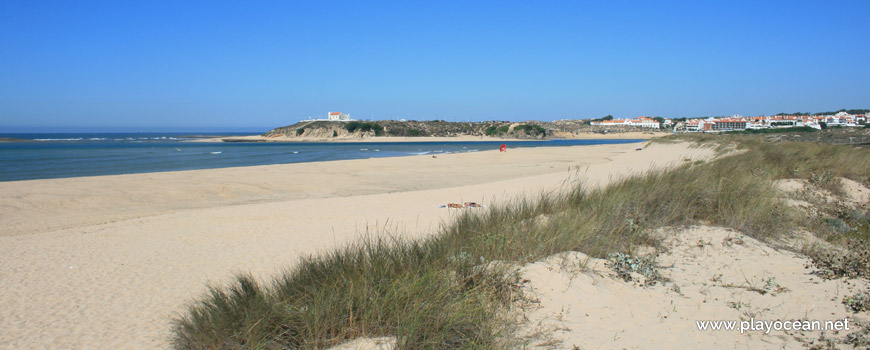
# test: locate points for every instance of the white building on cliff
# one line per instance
(338, 116)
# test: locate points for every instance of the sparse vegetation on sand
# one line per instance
(450, 291)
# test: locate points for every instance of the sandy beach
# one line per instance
(568, 175)
(105, 262)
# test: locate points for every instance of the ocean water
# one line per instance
(46, 156)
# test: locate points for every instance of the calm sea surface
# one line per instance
(45, 156)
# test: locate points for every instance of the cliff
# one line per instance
(439, 128)
(363, 129)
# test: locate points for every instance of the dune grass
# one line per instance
(444, 292)
(373, 288)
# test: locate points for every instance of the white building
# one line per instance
(645, 122)
(841, 119)
(338, 116)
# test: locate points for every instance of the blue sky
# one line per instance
(212, 65)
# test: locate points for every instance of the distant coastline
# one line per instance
(466, 138)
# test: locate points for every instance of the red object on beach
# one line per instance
(503, 148)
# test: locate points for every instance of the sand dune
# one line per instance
(104, 262)
(712, 274)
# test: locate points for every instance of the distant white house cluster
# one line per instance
(739, 122)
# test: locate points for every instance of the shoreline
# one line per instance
(107, 261)
(136, 194)
(385, 139)
(473, 146)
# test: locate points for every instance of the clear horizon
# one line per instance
(164, 66)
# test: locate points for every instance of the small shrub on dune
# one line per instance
(626, 265)
(838, 263)
(859, 302)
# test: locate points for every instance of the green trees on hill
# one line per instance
(496, 130)
(364, 127)
(850, 111)
(531, 129)
(607, 117)
(528, 129)
(797, 114)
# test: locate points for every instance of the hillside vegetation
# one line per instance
(441, 128)
(328, 129)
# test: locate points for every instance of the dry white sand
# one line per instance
(105, 262)
(713, 274)
(708, 274)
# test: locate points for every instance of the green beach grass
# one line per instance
(446, 292)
